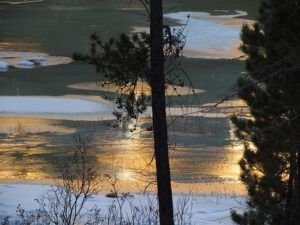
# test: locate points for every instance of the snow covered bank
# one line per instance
(27, 60)
(203, 209)
(85, 108)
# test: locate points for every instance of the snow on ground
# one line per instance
(85, 108)
(204, 209)
(27, 60)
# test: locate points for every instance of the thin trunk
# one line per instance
(297, 186)
(290, 189)
(160, 132)
(296, 131)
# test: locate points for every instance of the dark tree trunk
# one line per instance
(160, 132)
(297, 186)
(290, 189)
(296, 131)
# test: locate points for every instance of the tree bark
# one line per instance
(297, 186)
(290, 189)
(160, 132)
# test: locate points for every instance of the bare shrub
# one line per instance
(78, 181)
(17, 130)
(4, 220)
(35, 217)
(64, 203)
(183, 210)
(124, 211)
(131, 212)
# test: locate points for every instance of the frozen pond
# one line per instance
(45, 98)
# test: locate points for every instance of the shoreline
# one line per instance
(213, 188)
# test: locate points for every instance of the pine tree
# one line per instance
(271, 162)
(125, 61)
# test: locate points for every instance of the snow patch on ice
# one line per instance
(4, 66)
(38, 58)
(85, 108)
(26, 64)
(28, 60)
(51, 105)
(20, 2)
(211, 36)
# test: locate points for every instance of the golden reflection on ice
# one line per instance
(141, 88)
(18, 160)
(19, 125)
(23, 148)
(20, 46)
(127, 156)
(237, 149)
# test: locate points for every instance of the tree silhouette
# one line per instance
(160, 130)
(127, 60)
(270, 165)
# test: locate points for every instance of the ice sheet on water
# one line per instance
(18, 2)
(51, 105)
(210, 36)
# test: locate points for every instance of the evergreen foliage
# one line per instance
(122, 61)
(271, 162)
